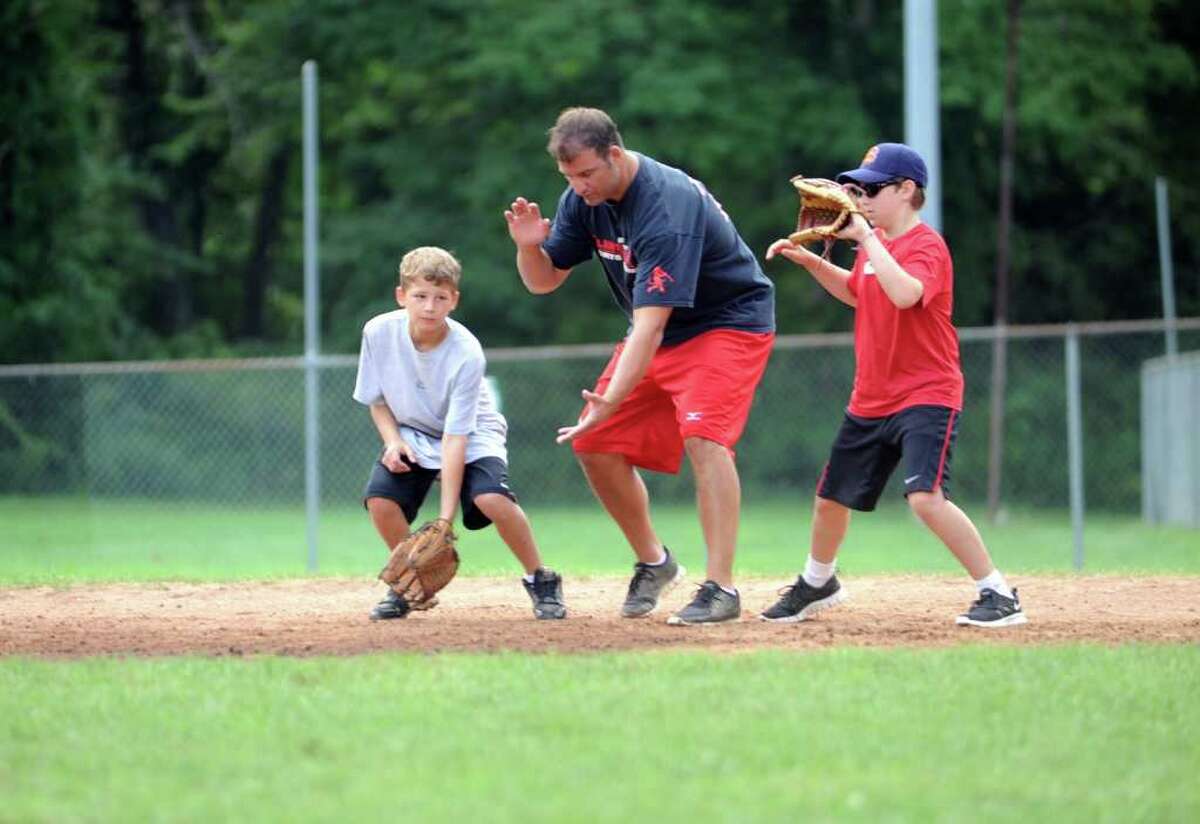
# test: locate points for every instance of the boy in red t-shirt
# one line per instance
(908, 387)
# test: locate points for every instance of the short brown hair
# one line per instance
(580, 128)
(431, 264)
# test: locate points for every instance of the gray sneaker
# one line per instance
(711, 605)
(546, 594)
(648, 583)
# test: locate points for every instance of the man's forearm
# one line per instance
(537, 271)
(635, 359)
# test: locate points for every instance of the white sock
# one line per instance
(817, 574)
(529, 578)
(995, 582)
(732, 592)
(661, 560)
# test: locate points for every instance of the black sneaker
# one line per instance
(546, 594)
(802, 601)
(993, 610)
(392, 606)
(712, 605)
(648, 583)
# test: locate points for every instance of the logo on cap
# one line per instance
(870, 156)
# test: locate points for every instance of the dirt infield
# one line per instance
(328, 617)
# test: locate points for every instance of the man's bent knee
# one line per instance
(600, 460)
(701, 449)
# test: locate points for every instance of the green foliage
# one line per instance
(1092, 102)
(150, 192)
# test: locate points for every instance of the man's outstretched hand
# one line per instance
(526, 226)
(596, 412)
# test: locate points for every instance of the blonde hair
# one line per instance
(431, 264)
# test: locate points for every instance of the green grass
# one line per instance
(1053, 734)
(55, 540)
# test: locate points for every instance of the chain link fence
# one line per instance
(219, 432)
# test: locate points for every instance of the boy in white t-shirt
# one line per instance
(422, 375)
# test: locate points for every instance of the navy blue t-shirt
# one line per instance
(667, 243)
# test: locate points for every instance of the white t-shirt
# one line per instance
(434, 393)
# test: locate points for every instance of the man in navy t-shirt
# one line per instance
(702, 319)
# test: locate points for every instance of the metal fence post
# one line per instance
(1075, 441)
(312, 345)
(1166, 264)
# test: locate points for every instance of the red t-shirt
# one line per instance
(906, 357)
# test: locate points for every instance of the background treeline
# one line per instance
(150, 189)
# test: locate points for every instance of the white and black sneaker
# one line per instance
(993, 610)
(546, 594)
(802, 601)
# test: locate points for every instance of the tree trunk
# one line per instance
(1003, 248)
(257, 277)
(141, 119)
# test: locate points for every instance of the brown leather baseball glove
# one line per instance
(825, 210)
(422, 564)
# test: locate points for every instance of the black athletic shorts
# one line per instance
(867, 450)
(408, 489)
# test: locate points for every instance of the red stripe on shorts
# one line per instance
(945, 446)
(821, 480)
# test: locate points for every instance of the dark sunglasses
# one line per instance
(872, 189)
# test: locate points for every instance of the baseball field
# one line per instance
(180, 664)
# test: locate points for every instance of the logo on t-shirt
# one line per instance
(617, 250)
(868, 268)
(659, 280)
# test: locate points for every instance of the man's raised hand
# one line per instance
(526, 226)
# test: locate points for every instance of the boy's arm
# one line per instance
(395, 448)
(832, 277)
(902, 289)
(454, 458)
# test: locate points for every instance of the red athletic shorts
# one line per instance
(702, 388)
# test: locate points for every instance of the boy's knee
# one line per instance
(382, 506)
(925, 504)
(826, 507)
(492, 504)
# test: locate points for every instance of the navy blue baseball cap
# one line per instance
(887, 161)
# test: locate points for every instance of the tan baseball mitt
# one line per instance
(825, 210)
(422, 564)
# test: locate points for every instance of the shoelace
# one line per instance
(641, 572)
(791, 593)
(990, 599)
(706, 595)
(545, 589)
